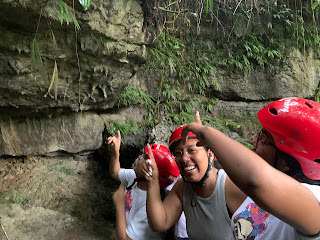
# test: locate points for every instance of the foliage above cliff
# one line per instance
(243, 34)
(192, 39)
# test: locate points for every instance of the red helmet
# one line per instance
(168, 169)
(176, 136)
(294, 123)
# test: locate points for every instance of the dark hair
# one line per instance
(295, 170)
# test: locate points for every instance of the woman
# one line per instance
(207, 196)
(278, 205)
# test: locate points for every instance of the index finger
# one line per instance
(150, 152)
(198, 117)
(184, 134)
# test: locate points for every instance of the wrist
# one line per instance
(119, 206)
(154, 182)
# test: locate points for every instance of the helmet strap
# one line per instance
(203, 180)
(134, 181)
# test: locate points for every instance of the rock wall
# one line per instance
(94, 64)
(84, 71)
(300, 80)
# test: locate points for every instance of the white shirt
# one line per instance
(251, 222)
(135, 206)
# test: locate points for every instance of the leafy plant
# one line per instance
(54, 81)
(125, 129)
(85, 4)
(180, 118)
(36, 58)
(176, 69)
(209, 6)
(65, 15)
(133, 95)
(207, 106)
(315, 4)
(261, 43)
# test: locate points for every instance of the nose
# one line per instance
(184, 158)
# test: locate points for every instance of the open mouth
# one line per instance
(190, 168)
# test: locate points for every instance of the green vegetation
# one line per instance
(60, 179)
(133, 95)
(129, 127)
(66, 170)
(247, 36)
(183, 61)
(19, 199)
(169, 61)
(65, 15)
(36, 58)
(85, 4)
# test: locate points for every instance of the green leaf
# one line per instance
(85, 4)
(315, 4)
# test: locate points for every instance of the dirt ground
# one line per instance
(58, 197)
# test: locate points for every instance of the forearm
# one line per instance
(121, 224)
(268, 187)
(155, 209)
(114, 165)
(242, 165)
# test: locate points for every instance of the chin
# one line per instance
(191, 178)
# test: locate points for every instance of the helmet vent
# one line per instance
(317, 160)
(309, 105)
(273, 111)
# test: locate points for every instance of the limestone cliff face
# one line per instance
(300, 80)
(75, 76)
(94, 64)
(74, 71)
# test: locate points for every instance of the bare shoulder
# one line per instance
(178, 188)
(234, 196)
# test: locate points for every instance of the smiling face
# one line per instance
(191, 159)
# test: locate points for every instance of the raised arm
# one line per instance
(119, 201)
(161, 215)
(114, 164)
(271, 189)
